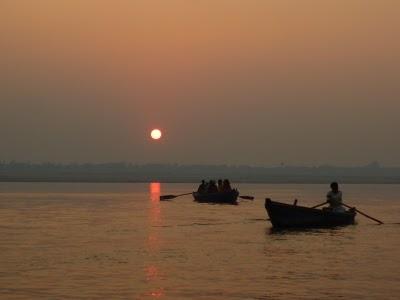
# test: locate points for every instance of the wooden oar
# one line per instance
(364, 214)
(169, 197)
(247, 197)
(320, 204)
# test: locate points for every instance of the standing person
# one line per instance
(334, 198)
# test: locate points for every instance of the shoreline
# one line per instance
(31, 180)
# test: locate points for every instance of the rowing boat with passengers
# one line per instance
(284, 215)
(228, 197)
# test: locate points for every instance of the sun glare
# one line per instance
(156, 134)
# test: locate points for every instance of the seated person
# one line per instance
(212, 187)
(334, 198)
(220, 185)
(226, 186)
(202, 187)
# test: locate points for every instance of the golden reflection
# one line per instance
(155, 191)
(155, 209)
(153, 242)
(152, 271)
(158, 293)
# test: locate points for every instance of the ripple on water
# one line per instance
(103, 244)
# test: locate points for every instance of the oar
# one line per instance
(320, 204)
(247, 197)
(169, 197)
(365, 215)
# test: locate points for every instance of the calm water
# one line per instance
(117, 241)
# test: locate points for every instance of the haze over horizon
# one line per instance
(228, 82)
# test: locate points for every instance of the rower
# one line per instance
(334, 198)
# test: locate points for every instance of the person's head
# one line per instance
(219, 181)
(212, 182)
(203, 182)
(334, 186)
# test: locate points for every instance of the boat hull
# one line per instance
(223, 198)
(291, 216)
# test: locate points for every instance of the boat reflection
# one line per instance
(337, 230)
(293, 231)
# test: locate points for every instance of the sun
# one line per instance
(156, 134)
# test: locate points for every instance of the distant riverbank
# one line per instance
(123, 172)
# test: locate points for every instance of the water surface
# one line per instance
(117, 241)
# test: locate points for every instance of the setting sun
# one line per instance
(156, 134)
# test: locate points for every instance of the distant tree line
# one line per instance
(127, 172)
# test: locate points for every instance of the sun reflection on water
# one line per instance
(151, 270)
(152, 273)
(156, 293)
(155, 209)
(155, 190)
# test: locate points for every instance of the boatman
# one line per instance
(334, 198)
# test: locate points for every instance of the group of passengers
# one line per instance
(212, 187)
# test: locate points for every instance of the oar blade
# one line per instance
(167, 197)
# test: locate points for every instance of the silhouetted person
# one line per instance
(334, 198)
(220, 185)
(202, 187)
(212, 187)
(226, 186)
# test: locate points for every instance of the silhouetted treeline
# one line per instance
(125, 172)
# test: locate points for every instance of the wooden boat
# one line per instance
(287, 215)
(224, 197)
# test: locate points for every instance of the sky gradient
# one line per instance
(228, 81)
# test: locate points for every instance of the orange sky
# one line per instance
(257, 82)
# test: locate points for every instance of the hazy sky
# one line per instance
(228, 81)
